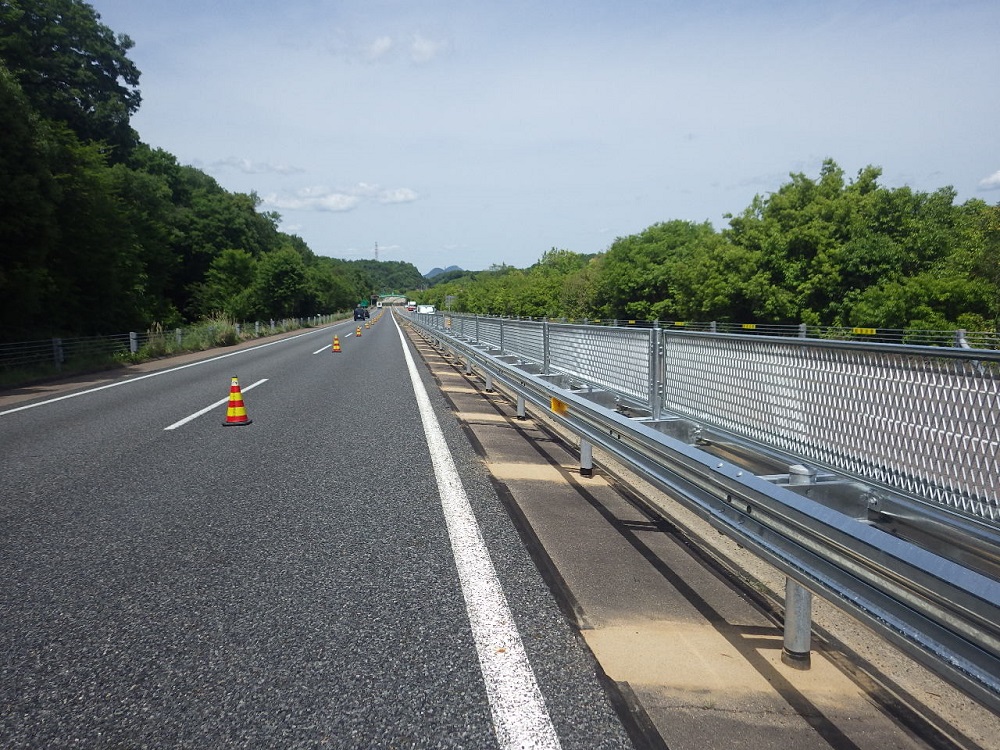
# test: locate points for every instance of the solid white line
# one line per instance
(209, 408)
(154, 374)
(520, 718)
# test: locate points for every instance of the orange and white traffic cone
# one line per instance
(336, 345)
(236, 413)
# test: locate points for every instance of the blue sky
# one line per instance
(480, 133)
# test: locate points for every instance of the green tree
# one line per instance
(27, 211)
(330, 286)
(72, 67)
(642, 275)
(280, 288)
(985, 257)
(228, 287)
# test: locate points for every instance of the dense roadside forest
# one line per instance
(102, 233)
(828, 251)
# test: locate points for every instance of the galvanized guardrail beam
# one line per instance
(944, 614)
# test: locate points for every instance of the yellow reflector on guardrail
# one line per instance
(864, 331)
(557, 406)
(749, 326)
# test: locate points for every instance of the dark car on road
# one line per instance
(360, 313)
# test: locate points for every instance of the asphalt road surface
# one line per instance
(337, 573)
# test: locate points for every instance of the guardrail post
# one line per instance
(520, 407)
(586, 458)
(133, 342)
(798, 625)
(798, 600)
(803, 330)
(502, 350)
(178, 335)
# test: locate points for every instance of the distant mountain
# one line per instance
(438, 271)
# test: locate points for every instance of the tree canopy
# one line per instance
(825, 251)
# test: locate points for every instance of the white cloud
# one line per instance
(319, 198)
(312, 199)
(424, 50)
(990, 183)
(379, 48)
(397, 195)
(254, 167)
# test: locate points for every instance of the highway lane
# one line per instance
(289, 583)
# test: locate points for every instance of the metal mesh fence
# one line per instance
(918, 419)
(525, 339)
(925, 424)
(617, 359)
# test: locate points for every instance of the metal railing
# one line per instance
(919, 337)
(923, 421)
(724, 424)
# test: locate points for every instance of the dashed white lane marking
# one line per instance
(520, 718)
(209, 408)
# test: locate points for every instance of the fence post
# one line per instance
(803, 330)
(545, 348)
(655, 372)
(256, 328)
(58, 355)
(178, 335)
(133, 342)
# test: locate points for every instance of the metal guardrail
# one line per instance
(941, 611)
(921, 421)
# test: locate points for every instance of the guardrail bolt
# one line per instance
(874, 503)
(799, 474)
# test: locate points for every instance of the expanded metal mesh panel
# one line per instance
(613, 358)
(490, 331)
(525, 339)
(928, 426)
